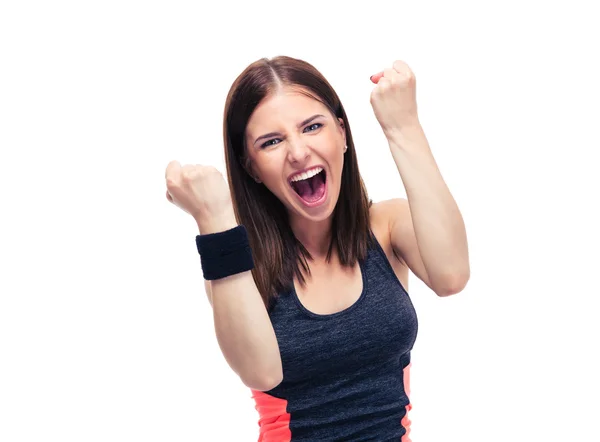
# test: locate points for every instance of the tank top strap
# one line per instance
(376, 253)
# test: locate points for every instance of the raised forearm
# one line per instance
(438, 223)
(242, 325)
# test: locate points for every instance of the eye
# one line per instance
(266, 144)
(319, 125)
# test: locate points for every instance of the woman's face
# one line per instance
(296, 148)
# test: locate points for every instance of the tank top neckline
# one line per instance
(345, 311)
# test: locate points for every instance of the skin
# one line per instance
(321, 142)
(296, 147)
(424, 233)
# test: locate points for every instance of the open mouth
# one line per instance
(310, 186)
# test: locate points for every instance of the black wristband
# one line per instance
(225, 253)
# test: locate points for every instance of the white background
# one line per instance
(105, 330)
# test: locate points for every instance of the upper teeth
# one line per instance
(306, 175)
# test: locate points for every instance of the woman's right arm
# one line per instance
(242, 325)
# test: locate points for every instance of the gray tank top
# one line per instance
(343, 373)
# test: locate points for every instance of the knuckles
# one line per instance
(405, 75)
(400, 66)
(187, 188)
(195, 173)
(190, 174)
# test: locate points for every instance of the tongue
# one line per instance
(311, 189)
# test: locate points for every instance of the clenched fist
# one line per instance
(202, 192)
(394, 99)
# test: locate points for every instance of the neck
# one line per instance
(315, 236)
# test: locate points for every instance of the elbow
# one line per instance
(264, 379)
(264, 383)
(270, 383)
(452, 284)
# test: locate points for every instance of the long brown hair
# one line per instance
(278, 255)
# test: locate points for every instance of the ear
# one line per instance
(342, 128)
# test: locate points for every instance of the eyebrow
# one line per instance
(272, 134)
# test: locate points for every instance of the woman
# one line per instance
(305, 275)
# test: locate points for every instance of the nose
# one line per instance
(298, 152)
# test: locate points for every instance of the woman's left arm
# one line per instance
(427, 228)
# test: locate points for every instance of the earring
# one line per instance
(345, 148)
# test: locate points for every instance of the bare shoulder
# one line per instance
(393, 214)
(382, 215)
(387, 212)
(395, 218)
(389, 208)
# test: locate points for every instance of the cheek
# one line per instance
(335, 154)
(270, 168)
(330, 147)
